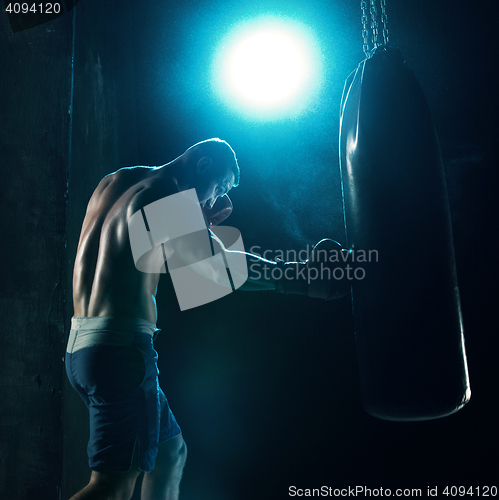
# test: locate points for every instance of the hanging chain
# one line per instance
(373, 12)
(384, 20)
(365, 34)
(374, 24)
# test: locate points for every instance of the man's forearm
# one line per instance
(303, 278)
(258, 279)
(284, 277)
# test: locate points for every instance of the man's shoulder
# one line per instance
(125, 175)
(128, 174)
(117, 182)
(151, 190)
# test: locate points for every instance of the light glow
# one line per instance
(267, 69)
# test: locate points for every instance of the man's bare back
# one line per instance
(105, 280)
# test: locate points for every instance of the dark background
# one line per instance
(264, 386)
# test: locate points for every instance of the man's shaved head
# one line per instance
(220, 152)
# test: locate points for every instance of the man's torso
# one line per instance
(105, 280)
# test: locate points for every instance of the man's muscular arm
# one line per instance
(267, 272)
(304, 278)
(284, 277)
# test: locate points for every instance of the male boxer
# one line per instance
(110, 358)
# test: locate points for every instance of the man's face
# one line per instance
(209, 187)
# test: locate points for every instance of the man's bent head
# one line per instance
(214, 169)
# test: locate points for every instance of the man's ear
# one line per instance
(203, 163)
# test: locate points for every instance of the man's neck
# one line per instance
(177, 171)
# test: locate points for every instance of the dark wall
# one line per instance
(44, 423)
(104, 139)
(35, 89)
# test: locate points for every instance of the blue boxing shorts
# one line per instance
(112, 364)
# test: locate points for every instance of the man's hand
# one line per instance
(321, 276)
(326, 270)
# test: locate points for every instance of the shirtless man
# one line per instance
(110, 358)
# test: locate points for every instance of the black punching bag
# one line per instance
(407, 313)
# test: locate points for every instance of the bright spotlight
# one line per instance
(267, 69)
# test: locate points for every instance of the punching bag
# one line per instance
(407, 313)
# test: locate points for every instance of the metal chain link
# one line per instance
(374, 24)
(384, 20)
(365, 34)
